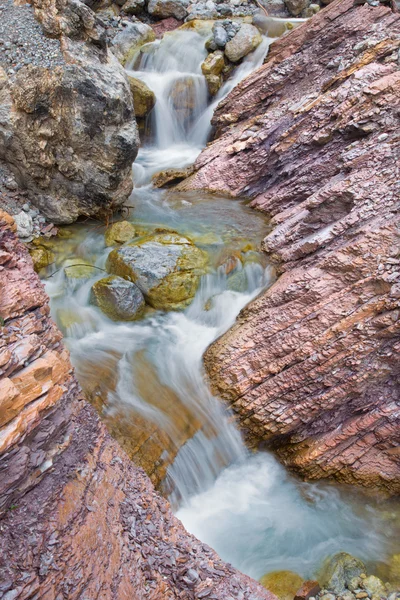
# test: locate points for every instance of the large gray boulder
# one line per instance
(245, 41)
(168, 8)
(165, 266)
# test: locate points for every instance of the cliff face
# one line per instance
(311, 367)
(77, 518)
(67, 123)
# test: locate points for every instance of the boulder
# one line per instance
(132, 36)
(119, 233)
(212, 68)
(168, 8)
(119, 299)
(245, 41)
(165, 266)
(296, 7)
(339, 570)
(143, 98)
(134, 7)
(284, 584)
(42, 257)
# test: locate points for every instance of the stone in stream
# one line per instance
(119, 299)
(212, 68)
(165, 266)
(42, 257)
(119, 233)
(128, 41)
(168, 8)
(143, 97)
(284, 584)
(245, 41)
(133, 7)
(338, 571)
(296, 7)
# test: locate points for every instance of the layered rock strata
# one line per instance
(312, 365)
(77, 518)
(67, 128)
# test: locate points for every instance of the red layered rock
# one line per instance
(77, 518)
(312, 365)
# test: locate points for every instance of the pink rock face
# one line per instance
(312, 366)
(77, 518)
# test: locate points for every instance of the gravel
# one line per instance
(22, 41)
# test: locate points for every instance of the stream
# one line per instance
(146, 377)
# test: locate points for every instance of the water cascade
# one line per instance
(149, 373)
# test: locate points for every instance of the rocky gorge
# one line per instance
(307, 131)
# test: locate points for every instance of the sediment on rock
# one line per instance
(76, 516)
(311, 367)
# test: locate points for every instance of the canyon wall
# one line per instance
(77, 518)
(312, 137)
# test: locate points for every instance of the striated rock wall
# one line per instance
(67, 125)
(77, 518)
(312, 366)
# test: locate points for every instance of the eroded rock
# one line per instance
(168, 8)
(119, 299)
(119, 233)
(143, 98)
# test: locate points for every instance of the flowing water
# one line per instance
(146, 378)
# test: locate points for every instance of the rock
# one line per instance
(284, 584)
(327, 597)
(394, 570)
(307, 590)
(354, 584)
(165, 266)
(183, 95)
(130, 38)
(134, 7)
(324, 244)
(168, 8)
(24, 225)
(220, 35)
(245, 41)
(119, 233)
(118, 298)
(212, 68)
(348, 595)
(374, 586)
(338, 571)
(171, 176)
(296, 7)
(41, 257)
(143, 98)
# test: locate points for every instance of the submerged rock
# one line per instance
(245, 41)
(143, 98)
(119, 233)
(168, 8)
(165, 266)
(284, 584)
(338, 571)
(119, 299)
(42, 257)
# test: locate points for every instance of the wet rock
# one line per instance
(143, 98)
(119, 299)
(165, 266)
(212, 68)
(130, 38)
(374, 586)
(284, 584)
(245, 41)
(119, 233)
(171, 176)
(168, 8)
(42, 257)
(339, 570)
(134, 7)
(307, 590)
(77, 269)
(296, 7)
